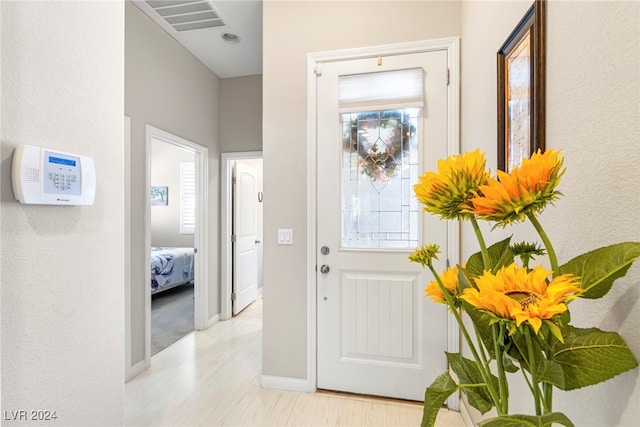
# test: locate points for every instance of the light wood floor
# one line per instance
(212, 378)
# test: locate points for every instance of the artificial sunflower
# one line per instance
(425, 255)
(447, 192)
(528, 188)
(449, 279)
(523, 296)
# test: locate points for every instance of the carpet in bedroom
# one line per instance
(171, 316)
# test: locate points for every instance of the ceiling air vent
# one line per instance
(186, 15)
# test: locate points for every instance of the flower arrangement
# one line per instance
(519, 311)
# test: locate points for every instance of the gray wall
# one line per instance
(165, 172)
(289, 35)
(592, 115)
(63, 266)
(241, 115)
(168, 88)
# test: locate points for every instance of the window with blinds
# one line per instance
(187, 198)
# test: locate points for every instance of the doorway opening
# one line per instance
(241, 246)
(176, 226)
(172, 243)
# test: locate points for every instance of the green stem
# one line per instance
(547, 389)
(503, 386)
(483, 245)
(483, 355)
(553, 259)
(532, 371)
(536, 390)
(547, 243)
(526, 378)
(483, 367)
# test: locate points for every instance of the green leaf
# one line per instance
(599, 268)
(554, 329)
(590, 356)
(482, 322)
(518, 420)
(464, 280)
(500, 254)
(547, 371)
(434, 397)
(507, 363)
(469, 373)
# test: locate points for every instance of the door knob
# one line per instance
(324, 269)
(257, 241)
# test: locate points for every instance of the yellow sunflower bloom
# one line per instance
(528, 188)
(447, 192)
(449, 279)
(523, 296)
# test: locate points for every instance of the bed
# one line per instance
(170, 267)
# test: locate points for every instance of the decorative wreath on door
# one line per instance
(380, 138)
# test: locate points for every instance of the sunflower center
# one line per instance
(525, 298)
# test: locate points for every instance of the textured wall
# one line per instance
(592, 116)
(63, 266)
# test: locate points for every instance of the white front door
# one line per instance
(377, 334)
(245, 231)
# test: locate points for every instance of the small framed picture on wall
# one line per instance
(159, 196)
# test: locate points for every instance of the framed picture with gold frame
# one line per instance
(521, 90)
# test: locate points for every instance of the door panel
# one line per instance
(379, 318)
(376, 332)
(245, 230)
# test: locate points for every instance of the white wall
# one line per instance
(165, 172)
(291, 30)
(592, 116)
(168, 88)
(63, 266)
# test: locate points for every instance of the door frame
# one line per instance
(201, 243)
(227, 230)
(314, 66)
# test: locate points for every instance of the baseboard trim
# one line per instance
(212, 321)
(286, 383)
(135, 370)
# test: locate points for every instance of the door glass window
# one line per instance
(380, 163)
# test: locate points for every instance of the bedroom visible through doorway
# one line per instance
(176, 284)
(172, 243)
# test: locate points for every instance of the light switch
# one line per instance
(285, 236)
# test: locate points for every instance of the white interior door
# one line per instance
(376, 332)
(245, 231)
